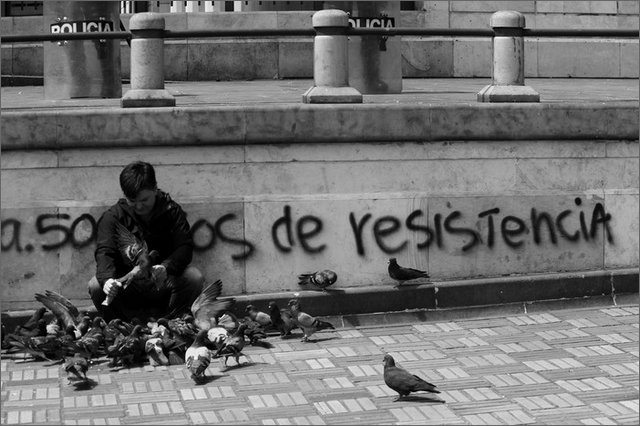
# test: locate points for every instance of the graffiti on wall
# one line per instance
(474, 229)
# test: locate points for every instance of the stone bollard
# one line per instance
(331, 60)
(508, 61)
(147, 63)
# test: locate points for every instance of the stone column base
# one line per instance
(332, 95)
(140, 98)
(500, 93)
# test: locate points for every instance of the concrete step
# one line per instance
(418, 302)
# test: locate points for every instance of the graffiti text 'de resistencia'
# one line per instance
(456, 230)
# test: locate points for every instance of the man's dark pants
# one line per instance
(171, 299)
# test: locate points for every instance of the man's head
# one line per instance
(139, 185)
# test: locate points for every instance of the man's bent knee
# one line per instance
(94, 288)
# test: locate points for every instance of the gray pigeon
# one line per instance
(403, 382)
(260, 317)
(76, 368)
(402, 274)
(282, 319)
(136, 254)
(207, 308)
(309, 324)
(198, 357)
(320, 279)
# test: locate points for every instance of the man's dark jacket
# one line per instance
(167, 232)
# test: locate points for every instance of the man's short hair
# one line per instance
(136, 177)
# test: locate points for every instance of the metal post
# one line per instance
(331, 60)
(147, 63)
(508, 61)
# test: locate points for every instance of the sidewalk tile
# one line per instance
(568, 367)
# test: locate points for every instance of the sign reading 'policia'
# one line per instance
(372, 22)
(82, 27)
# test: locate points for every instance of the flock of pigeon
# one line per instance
(209, 331)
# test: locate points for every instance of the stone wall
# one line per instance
(262, 214)
(291, 57)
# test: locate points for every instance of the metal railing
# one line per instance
(310, 32)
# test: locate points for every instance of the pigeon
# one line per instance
(260, 317)
(198, 357)
(403, 382)
(20, 339)
(282, 319)
(154, 347)
(216, 338)
(182, 329)
(173, 346)
(76, 368)
(207, 308)
(233, 345)
(129, 349)
(66, 341)
(402, 274)
(255, 332)
(229, 322)
(32, 326)
(320, 279)
(306, 322)
(64, 301)
(137, 255)
(115, 328)
(65, 312)
(27, 340)
(53, 328)
(92, 343)
(133, 249)
(43, 348)
(40, 329)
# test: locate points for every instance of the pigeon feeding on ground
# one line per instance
(197, 358)
(92, 343)
(258, 316)
(320, 279)
(32, 327)
(154, 347)
(216, 338)
(76, 368)
(129, 349)
(254, 331)
(402, 274)
(44, 348)
(281, 319)
(182, 329)
(233, 345)
(403, 382)
(306, 322)
(65, 312)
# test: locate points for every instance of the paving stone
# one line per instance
(562, 367)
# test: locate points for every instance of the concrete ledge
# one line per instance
(420, 315)
(502, 93)
(332, 95)
(460, 294)
(22, 80)
(307, 123)
(444, 301)
(143, 98)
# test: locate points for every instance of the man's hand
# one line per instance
(111, 288)
(158, 274)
